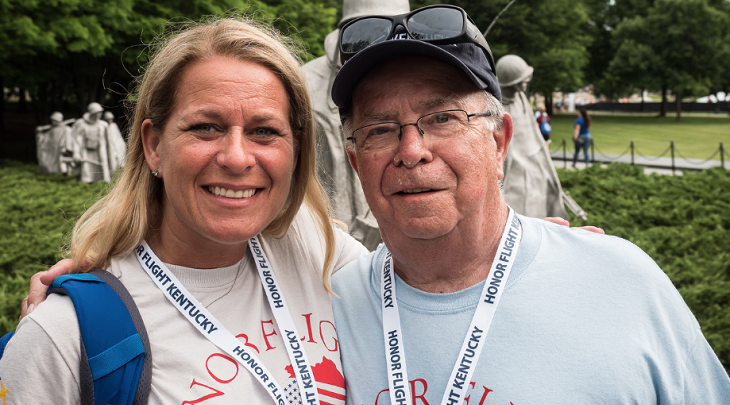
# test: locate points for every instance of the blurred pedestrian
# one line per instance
(582, 136)
(543, 122)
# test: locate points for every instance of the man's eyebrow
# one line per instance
(381, 116)
(428, 104)
(439, 102)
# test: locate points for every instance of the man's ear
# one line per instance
(502, 138)
(151, 143)
(353, 161)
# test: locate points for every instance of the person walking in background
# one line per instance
(582, 136)
(543, 122)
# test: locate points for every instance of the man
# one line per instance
(338, 178)
(467, 301)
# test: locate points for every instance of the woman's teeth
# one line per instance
(222, 192)
(416, 190)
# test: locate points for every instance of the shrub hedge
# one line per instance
(683, 222)
(37, 212)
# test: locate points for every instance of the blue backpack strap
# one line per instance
(114, 341)
(4, 341)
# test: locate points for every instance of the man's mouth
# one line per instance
(222, 192)
(416, 190)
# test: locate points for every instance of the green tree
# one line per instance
(550, 36)
(604, 17)
(67, 53)
(675, 46)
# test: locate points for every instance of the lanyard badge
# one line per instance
(471, 348)
(216, 333)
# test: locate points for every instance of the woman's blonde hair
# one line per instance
(120, 220)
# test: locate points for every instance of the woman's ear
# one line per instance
(151, 143)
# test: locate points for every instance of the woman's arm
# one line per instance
(40, 363)
(576, 132)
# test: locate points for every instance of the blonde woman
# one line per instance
(220, 168)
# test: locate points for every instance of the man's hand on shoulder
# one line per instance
(39, 284)
(564, 222)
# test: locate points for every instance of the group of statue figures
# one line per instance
(91, 149)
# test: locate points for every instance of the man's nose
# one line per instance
(413, 148)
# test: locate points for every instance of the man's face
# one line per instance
(425, 189)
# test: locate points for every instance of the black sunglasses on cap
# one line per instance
(438, 24)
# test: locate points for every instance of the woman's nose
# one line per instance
(236, 154)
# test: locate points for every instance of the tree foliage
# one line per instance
(67, 53)
(549, 35)
(677, 44)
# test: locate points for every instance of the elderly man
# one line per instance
(466, 300)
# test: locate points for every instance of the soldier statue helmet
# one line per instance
(94, 110)
(513, 70)
(56, 118)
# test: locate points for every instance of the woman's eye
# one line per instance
(202, 128)
(264, 132)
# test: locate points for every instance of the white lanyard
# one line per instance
(297, 356)
(215, 332)
(463, 371)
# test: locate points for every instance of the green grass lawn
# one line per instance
(694, 137)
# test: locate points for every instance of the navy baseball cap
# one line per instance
(468, 57)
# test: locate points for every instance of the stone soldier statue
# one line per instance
(90, 148)
(117, 146)
(51, 144)
(338, 178)
(531, 184)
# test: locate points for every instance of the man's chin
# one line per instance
(427, 228)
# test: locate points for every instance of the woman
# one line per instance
(221, 150)
(581, 135)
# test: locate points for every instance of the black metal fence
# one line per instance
(629, 155)
(687, 106)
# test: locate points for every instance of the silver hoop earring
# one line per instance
(155, 172)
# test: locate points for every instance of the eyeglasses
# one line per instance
(437, 24)
(434, 126)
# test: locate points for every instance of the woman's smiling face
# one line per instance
(226, 155)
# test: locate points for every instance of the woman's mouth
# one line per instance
(222, 192)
